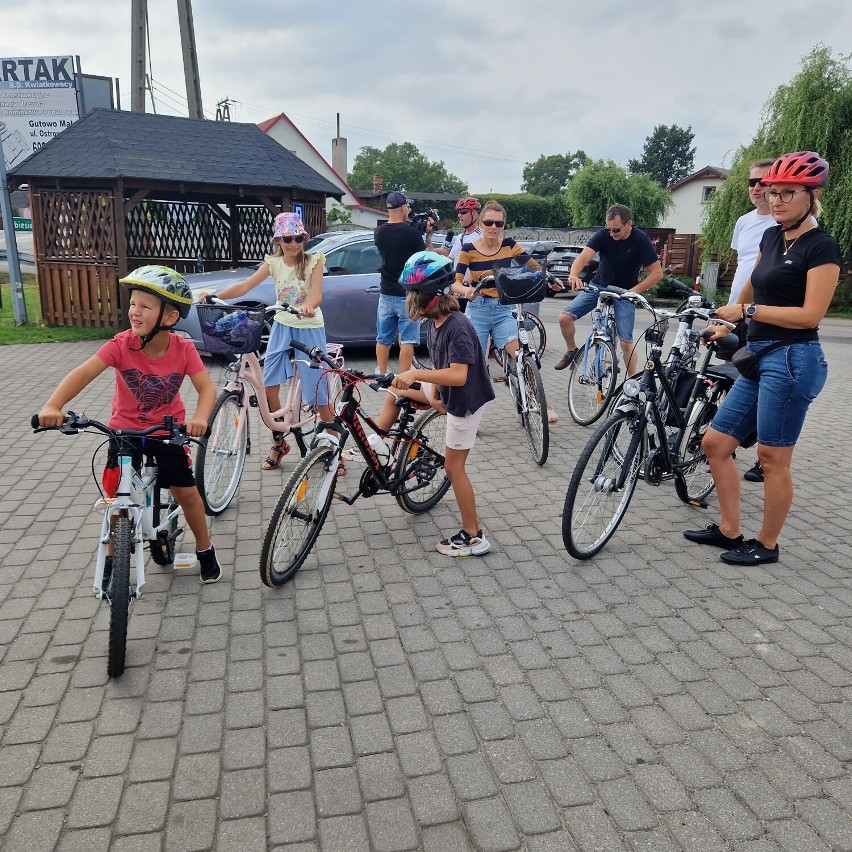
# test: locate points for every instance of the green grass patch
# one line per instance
(34, 330)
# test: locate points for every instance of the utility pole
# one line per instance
(190, 58)
(138, 16)
(223, 110)
(19, 306)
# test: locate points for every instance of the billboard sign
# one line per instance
(38, 99)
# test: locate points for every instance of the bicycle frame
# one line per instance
(603, 328)
(134, 497)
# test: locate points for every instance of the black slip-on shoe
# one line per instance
(712, 535)
(754, 474)
(750, 552)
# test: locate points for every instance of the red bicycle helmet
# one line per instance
(468, 204)
(805, 168)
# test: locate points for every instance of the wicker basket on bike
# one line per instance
(521, 285)
(231, 329)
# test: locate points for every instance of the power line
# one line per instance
(387, 135)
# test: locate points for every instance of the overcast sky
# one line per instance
(485, 87)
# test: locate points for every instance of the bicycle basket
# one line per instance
(517, 286)
(231, 329)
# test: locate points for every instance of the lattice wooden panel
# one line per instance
(255, 224)
(187, 230)
(78, 225)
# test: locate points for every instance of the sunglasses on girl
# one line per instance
(493, 223)
(299, 238)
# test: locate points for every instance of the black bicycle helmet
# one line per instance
(428, 272)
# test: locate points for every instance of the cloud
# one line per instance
(485, 88)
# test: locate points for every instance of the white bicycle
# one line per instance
(136, 511)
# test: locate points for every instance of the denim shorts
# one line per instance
(490, 317)
(278, 369)
(392, 316)
(625, 313)
(775, 404)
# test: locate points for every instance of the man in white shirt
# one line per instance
(749, 229)
(746, 243)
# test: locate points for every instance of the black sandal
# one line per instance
(273, 460)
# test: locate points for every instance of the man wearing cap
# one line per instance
(396, 241)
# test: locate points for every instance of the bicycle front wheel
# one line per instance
(602, 485)
(535, 413)
(535, 329)
(693, 478)
(592, 381)
(421, 463)
(119, 597)
(298, 516)
(220, 462)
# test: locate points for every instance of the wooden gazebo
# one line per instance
(120, 189)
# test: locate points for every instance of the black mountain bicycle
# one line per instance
(652, 433)
(413, 472)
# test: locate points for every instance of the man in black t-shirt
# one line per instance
(624, 250)
(396, 241)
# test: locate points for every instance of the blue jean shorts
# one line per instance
(625, 313)
(774, 404)
(392, 317)
(489, 317)
(278, 369)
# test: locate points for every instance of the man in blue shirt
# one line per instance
(624, 250)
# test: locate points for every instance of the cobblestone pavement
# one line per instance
(391, 698)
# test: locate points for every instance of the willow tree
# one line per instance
(813, 112)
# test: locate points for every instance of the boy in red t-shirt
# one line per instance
(150, 365)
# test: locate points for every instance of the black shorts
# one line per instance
(174, 462)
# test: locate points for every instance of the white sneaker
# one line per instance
(462, 544)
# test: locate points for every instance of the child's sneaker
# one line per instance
(107, 574)
(211, 572)
(462, 544)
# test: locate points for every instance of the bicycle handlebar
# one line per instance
(210, 299)
(76, 423)
(378, 381)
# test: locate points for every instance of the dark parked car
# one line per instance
(350, 289)
(559, 262)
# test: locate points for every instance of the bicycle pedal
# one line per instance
(253, 403)
(500, 380)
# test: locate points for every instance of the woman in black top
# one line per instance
(785, 299)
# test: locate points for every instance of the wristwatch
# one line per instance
(751, 310)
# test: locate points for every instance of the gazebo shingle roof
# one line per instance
(112, 144)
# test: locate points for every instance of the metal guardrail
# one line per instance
(24, 257)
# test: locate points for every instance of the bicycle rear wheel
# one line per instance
(535, 413)
(602, 485)
(163, 547)
(693, 478)
(119, 597)
(422, 462)
(592, 381)
(220, 462)
(298, 517)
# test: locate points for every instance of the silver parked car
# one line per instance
(350, 289)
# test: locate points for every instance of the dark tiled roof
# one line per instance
(110, 144)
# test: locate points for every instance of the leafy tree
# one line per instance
(667, 155)
(550, 175)
(403, 166)
(601, 183)
(813, 112)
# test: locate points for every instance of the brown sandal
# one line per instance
(341, 468)
(273, 460)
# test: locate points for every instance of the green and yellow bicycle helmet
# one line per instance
(170, 286)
